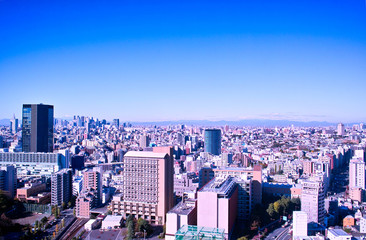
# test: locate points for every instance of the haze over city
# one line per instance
(201, 60)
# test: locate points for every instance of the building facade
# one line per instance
(212, 140)
(33, 164)
(37, 131)
(357, 173)
(61, 187)
(312, 201)
(8, 180)
(300, 224)
(148, 187)
(217, 204)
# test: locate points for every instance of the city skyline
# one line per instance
(281, 60)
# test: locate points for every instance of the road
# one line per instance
(279, 234)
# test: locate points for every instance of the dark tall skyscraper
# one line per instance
(37, 132)
(213, 141)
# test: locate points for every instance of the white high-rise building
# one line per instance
(340, 129)
(363, 225)
(357, 173)
(300, 224)
(312, 201)
(14, 125)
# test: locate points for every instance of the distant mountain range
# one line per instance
(239, 123)
(246, 122)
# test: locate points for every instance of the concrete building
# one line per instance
(355, 193)
(363, 225)
(33, 164)
(30, 190)
(205, 175)
(77, 186)
(340, 129)
(357, 173)
(184, 213)
(61, 187)
(144, 141)
(217, 204)
(184, 183)
(37, 131)
(84, 203)
(338, 234)
(92, 182)
(253, 173)
(300, 224)
(111, 222)
(312, 201)
(148, 186)
(348, 221)
(8, 180)
(14, 125)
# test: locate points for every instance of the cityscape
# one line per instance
(183, 120)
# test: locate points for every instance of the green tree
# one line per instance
(131, 230)
(57, 212)
(271, 211)
(277, 207)
(243, 238)
(63, 205)
(36, 224)
(143, 225)
(44, 220)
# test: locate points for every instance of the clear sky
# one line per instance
(185, 60)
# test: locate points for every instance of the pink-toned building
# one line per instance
(93, 182)
(30, 189)
(83, 205)
(148, 186)
(217, 204)
(308, 167)
(355, 193)
(296, 191)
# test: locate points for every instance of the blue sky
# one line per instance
(185, 60)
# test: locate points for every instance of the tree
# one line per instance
(277, 207)
(63, 205)
(142, 225)
(131, 230)
(271, 211)
(36, 224)
(57, 212)
(243, 238)
(44, 220)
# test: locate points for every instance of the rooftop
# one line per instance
(145, 154)
(220, 185)
(184, 207)
(338, 232)
(197, 232)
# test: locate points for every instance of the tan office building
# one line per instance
(147, 190)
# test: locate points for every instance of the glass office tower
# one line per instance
(37, 131)
(213, 141)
